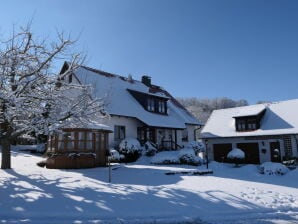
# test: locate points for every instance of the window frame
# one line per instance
(118, 136)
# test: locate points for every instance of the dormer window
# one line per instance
(240, 125)
(150, 104)
(246, 124)
(249, 123)
(252, 124)
(161, 106)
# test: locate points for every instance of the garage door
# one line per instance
(220, 152)
(251, 152)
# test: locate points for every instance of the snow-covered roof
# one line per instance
(251, 111)
(87, 125)
(114, 89)
(279, 118)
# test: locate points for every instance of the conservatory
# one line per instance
(75, 148)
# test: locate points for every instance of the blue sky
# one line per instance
(241, 49)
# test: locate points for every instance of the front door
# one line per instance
(275, 151)
(146, 134)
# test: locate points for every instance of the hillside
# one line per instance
(202, 108)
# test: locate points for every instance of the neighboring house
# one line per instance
(139, 109)
(265, 132)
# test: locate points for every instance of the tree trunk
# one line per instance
(6, 161)
(6, 142)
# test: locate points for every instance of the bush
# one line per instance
(150, 149)
(166, 157)
(236, 156)
(270, 168)
(184, 156)
(131, 149)
(115, 156)
(197, 146)
(187, 156)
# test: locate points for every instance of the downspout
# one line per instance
(196, 130)
(296, 138)
(176, 139)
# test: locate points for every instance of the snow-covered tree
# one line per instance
(35, 99)
(236, 156)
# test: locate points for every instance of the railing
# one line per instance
(169, 145)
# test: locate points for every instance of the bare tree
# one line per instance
(33, 98)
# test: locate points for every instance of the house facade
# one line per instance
(265, 132)
(139, 109)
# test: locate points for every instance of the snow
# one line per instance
(140, 192)
(129, 145)
(120, 102)
(270, 168)
(236, 153)
(198, 146)
(250, 111)
(166, 157)
(89, 125)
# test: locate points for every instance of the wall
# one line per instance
(131, 127)
(262, 143)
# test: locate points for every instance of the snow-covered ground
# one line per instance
(142, 193)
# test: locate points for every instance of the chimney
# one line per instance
(146, 80)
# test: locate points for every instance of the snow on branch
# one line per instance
(33, 98)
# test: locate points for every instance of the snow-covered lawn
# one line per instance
(142, 193)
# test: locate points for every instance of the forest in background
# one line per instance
(202, 108)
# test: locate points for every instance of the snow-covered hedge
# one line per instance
(131, 149)
(129, 145)
(166, 157)
(39, 148)
(270, 168)
(183, 156)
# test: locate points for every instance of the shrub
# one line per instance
(131, 149)
(115, 156)
(236, 156)
(197, 146)
(187, 156)
(150, 149)
(166, 157)
(270, 168)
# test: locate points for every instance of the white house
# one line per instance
(265, 132)
(139, 109)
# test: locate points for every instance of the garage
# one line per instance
(220, 151)
(251, 151)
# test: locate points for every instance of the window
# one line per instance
(119, 132)
(246, 124)
(161, 106)
(150, 104)
(184, 135)
(251, 124)
(81, 140)
(70, 78)
(241, 125)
